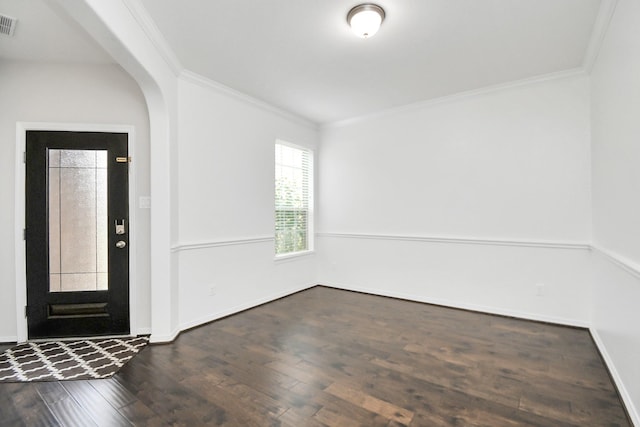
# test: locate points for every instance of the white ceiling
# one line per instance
(299, 55)
(43, 34)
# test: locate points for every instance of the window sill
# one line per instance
(293, 255)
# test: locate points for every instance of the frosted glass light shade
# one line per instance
(365, 19)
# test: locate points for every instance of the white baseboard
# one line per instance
(624, 394)
(143, 331)
(164, 339)
(617, 379)
(9, 339)
(454, 304)
(241, 307)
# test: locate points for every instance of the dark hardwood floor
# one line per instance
(325, 357)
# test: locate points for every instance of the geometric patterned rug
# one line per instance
(68, 360)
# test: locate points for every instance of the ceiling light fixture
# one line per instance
(365, 19)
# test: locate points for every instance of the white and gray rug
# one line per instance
(68, 360)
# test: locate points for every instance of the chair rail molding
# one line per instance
(620, 261)
(463, 240)
(180, 247)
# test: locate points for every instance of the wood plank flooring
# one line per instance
(325, 357)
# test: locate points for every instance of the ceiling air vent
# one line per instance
(7, 25)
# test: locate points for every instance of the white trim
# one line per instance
(296, 146)
(622, 262)
(244, 306)
(20, 258)
(207, 83)
(464, 240)
(617, 379)
(311, 193)
(574, 72)
(227, 312)
(293, 255)
(598, 33)
(8, 339)
(164, 339)
(454, 304)
(133, 241)
(217, 243)
(153, 33)
(144, 331)
(20, 244)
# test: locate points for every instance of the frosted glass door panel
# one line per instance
(78, 228)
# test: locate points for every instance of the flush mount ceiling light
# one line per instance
(365, 19)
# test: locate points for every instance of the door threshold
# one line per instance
(95, 337)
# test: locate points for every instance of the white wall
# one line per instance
(93, 94)
(616, 128)
(226, 154)
(507, 165)
(510, 164)
(125, 34)
(616, 324)
(491, 278)
(615, 116)
(494, 195)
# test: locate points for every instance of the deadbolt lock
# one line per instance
(121, 244)
(120, 227)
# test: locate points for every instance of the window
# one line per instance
(294, 199)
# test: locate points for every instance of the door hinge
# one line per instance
(26, 311)
(24, 157)
(123, 159)
(24, 234)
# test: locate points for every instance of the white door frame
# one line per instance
(20, 246)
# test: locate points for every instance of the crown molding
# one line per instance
(205, 82)
(598, 33)
(148, 25)
(153, 33)
(429, 103)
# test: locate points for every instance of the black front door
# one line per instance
(77, 234)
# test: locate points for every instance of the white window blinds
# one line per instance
(293, 202)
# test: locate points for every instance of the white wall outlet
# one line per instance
(539, 289)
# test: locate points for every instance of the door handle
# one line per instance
(121, 244)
